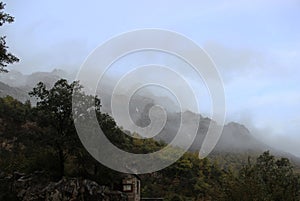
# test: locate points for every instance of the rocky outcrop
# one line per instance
(38, 187)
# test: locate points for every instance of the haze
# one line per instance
(255, 45)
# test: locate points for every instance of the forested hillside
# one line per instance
(43, 139)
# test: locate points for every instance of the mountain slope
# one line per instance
(236, 138)
(17, 93)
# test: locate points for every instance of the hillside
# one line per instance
(32, 164)
(18, 93)
(235, 138)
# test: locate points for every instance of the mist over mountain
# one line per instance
(16, 79)
(17, 93)
(235, 138)
(18, 85)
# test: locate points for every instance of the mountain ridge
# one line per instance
(235, 138)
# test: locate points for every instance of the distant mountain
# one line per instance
(236, 138)
(17, 93)
(17, 79)
(18, 85)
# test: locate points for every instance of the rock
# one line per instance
(38, 187)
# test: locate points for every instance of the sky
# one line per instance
(254, 44)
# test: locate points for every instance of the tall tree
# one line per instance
(5, 56)
(54, 108)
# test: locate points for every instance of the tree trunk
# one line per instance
(61, 163)
(95, 169)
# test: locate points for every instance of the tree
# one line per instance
(267, 179)
(54, 110)
(5, 56)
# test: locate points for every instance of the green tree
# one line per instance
(54, 110)
(5, 56)
(268, 179)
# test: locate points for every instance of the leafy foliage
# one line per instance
(44, 138)
(5, 56)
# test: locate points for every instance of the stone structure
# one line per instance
(131, 186)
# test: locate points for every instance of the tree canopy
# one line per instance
(5, 56)
(43, 138)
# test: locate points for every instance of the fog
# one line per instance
(255, 47)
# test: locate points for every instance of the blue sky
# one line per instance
(255, 45)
